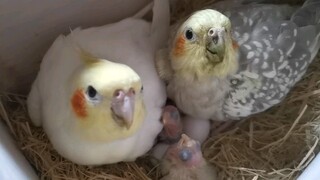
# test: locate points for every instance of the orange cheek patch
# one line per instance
(179, 46)
(235, 44)
(78, 104)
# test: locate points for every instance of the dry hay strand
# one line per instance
(276, 144)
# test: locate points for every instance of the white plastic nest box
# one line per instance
(27, 29)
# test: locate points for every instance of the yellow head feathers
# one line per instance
(203, 46)
(106, 99)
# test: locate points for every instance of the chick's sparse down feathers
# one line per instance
(184, 161)
(97, 94)
(239, 60)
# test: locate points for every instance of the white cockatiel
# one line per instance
(237, 61)
(98, 95)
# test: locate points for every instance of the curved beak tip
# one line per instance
(128, 123)
(184, 139)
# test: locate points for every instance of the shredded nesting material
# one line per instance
(276, 144)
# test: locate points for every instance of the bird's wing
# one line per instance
(275, 49)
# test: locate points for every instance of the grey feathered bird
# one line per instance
(238, 60)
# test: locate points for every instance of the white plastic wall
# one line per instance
(28, 27)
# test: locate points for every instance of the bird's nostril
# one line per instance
(215, 39)
(132, 91)
(211, 32)
(118, 93)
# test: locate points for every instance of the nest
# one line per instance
(276, 144)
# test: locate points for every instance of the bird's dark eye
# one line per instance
(185, 155)
(189, 34)
(141, 90)
(91, 91)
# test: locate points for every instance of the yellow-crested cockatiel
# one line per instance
(97, 94)
(237, 60)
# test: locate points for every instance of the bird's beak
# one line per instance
(184, 141)
(215, 43)
(188, 149)
(123, 107)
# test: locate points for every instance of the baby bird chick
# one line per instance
(184, 161)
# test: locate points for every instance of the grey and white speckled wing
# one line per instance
(276, 46)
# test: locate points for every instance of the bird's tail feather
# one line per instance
(143, 11)
(308, 2)
(160, 23)
(307, 16)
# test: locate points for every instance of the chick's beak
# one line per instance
(185, 141)
(185, 150)
(123, 107)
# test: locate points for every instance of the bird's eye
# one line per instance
(141, 90)
(92, 92)
(185, 155)
(189, 34)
